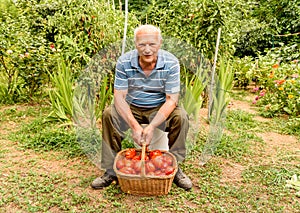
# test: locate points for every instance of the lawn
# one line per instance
(42, 168)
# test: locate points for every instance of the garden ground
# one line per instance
(33, 181)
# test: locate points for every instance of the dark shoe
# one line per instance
(104, 181)
(182, 180)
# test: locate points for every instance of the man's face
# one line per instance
(147, 46)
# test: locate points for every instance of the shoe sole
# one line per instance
(102, 187)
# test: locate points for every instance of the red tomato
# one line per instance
(147, 158)
(168, 159)
(127, 170)
(128, 162)
(169, 170)
(137, 166)
(158, 162)
(164, 165)
(136, 158)
(149, 167)
(151, 174)
(155, 153)
(120, 163)
(130, 153)
(123, 170)
(131, 170)
(158, 173)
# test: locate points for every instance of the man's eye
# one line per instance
(142, 45)
(153, 44)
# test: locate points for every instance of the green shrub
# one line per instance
(278, 88)
(24, 58)
(264, 24)
(195, 22)
(242, 71)
(33, 34)
(81, 29)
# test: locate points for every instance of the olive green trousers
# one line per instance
(114, 128)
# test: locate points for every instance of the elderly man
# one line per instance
(146, 91)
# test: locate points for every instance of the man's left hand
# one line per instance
(148, 134)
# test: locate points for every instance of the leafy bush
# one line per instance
(242, 71)
(82, 28)
(195, 22)
(248, 28)
(278, 87)
(264, 25)
(254, 39)
(24, 58)
(281, 96)
(34, 33)
(283, 16)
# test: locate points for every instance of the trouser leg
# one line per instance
(177, 124)
(113, 128)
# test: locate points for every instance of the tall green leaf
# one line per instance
(61, 96)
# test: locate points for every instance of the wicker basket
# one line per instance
(144, 184)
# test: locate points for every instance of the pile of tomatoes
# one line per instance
(156, 163)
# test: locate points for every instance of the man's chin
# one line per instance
(148, 59)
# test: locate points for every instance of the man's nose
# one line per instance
(147, 48)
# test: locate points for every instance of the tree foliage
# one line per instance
(34, 33)
(270, 23)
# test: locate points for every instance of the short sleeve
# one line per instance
(121, 80)
(173, 79)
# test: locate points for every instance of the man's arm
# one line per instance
(163, 113)
(165, 110)
(125, 112)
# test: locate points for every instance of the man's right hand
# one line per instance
(124, 110)
(137, 134)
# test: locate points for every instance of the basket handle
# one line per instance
(143, 172)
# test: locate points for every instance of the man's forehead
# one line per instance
(144, 36)
(143, 33)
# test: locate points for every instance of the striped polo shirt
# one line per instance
(148, 91)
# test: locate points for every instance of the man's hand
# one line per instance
(137, 135)
(125, 112)
(148, 134)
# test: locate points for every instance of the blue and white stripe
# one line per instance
(147, 91)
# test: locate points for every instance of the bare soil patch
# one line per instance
(242, 105)
(270, 151)
(231, 172)
(275, 144)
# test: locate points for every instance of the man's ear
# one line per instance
(160, 42)
(135, 44)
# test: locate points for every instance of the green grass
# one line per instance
(289, 126)
(47, 190)
(45, 136)
(239, 135)
(43, 169)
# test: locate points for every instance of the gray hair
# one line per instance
(147, 28)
